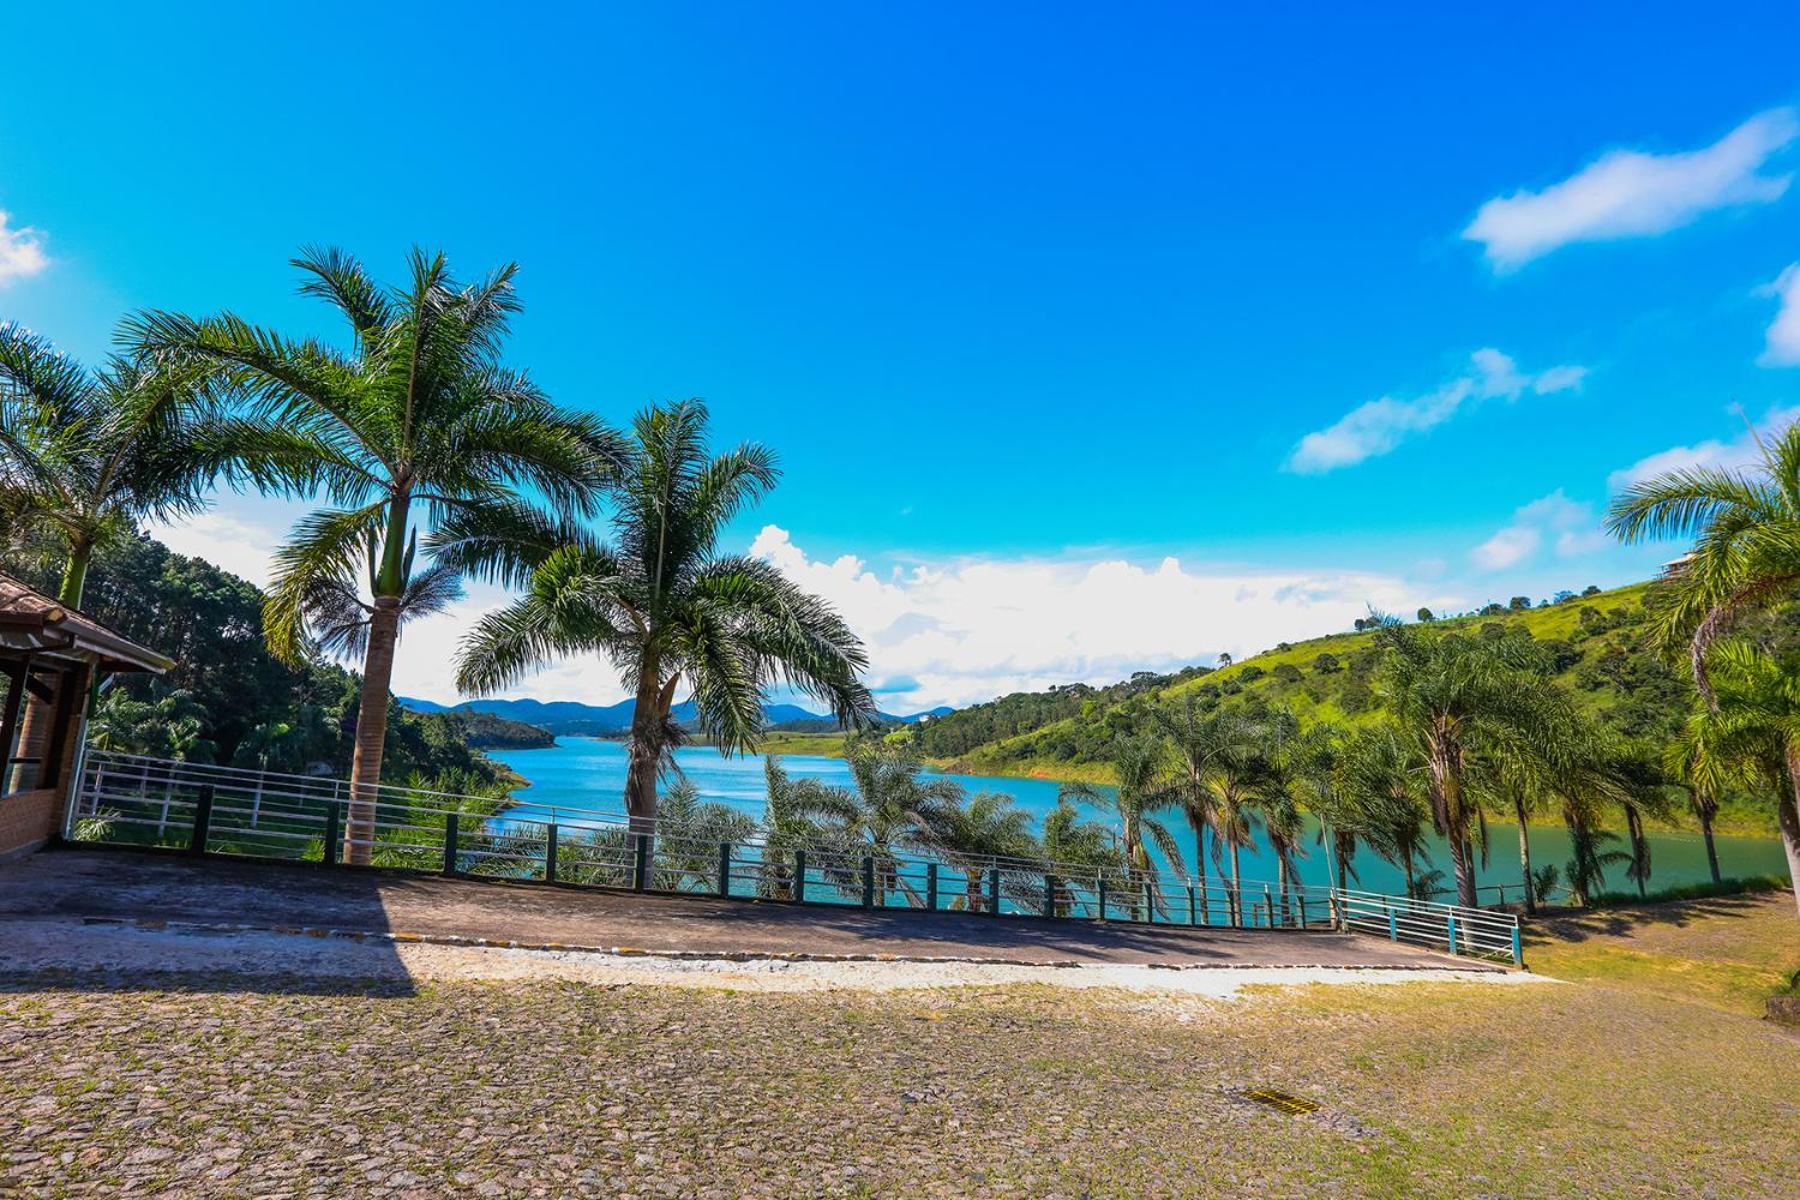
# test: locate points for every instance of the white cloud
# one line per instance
(1712, 454)
(21, 251)
(965, 630)
(1568, 526)
(1509, 547)
(1377, 427)
(951, 631)
(1630, 193)
(1783, 345)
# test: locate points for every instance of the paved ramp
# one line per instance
(134, 885)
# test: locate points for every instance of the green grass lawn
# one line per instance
(1727, 953)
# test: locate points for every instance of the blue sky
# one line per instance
(1031, 299)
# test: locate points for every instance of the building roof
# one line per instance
(33, 623)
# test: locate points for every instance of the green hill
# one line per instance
(1598, 643)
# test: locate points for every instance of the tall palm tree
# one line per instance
(1214, 749)
(1319, 778)
(86, 455)
(417, 425)
(1141, 791)
(1750, 733)
(1275, 790)
(1449, 693)
(1689, 761)
(1746, 557)
(1379, 782)
(667, 610)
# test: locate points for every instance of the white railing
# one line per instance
(132, 799)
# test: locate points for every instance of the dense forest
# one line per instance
(228, 700)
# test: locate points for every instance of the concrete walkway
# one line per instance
(137, 886)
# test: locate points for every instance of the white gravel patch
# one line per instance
(30, 947)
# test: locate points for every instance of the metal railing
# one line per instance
(134, 800)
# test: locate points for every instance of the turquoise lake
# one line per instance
(589, 773)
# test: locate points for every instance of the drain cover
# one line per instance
(1281, 1101)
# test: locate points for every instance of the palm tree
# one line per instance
(891, 807)
(1216, 748)
(978, 836)
(1750, 733)
(86, 455)
(1379, 783)
(1451, 694)
(1746, 553)
(1689, 761)
(1319, 778)
(1138, 763)
(665, 609)
(419, 425)
(790, 811)
(1074, 845)
(1745, 557)
(1275, 787)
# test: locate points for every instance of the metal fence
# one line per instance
(134, 800)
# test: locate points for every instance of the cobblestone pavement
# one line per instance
(204, 1086)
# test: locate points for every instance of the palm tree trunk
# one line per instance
(1237, 895)
(1787, 815)
(74, 580)
(371, 730)
(1525, 855)
(645, 753)
(1705, 809)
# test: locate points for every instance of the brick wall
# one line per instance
(28, 819)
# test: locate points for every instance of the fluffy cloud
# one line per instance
(1380, 425)
(1569, 527)
(965, 630)
(1628, 193)
(1783, 345)
(21, 251)
(1712, 454)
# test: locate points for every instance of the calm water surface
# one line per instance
(589, 773)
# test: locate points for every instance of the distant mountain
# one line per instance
(577, 719)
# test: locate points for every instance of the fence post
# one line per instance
(1393, 924)
(550, 853)
(640, 873)
(1049, 894)
(333, 834)
(1450, 928)
(202, 820)
(1144, 902)
(724, 869)
(993, 891)
(1302, 899)
(1100, 901)
(1518, 948)
(1193, 906)
(931, 887)
(450, 840)
(799, 877)
(868, 897)
(1269, 906)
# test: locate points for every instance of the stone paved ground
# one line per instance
(223, 1086)
(138, 885)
